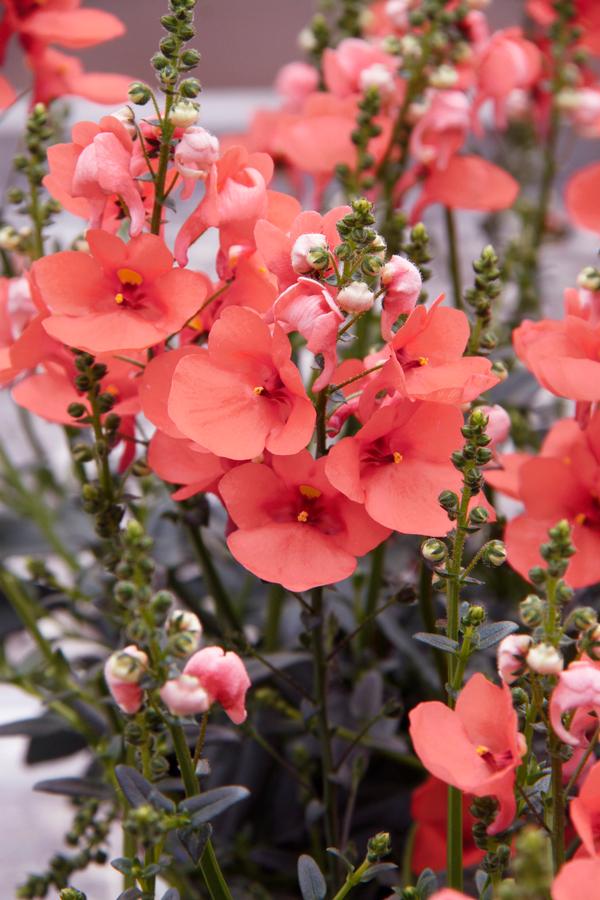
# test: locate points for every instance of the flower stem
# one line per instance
(275, 602)
(453, 257)
(209, 865)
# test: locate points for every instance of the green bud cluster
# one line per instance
(356, 181)
(480, 297)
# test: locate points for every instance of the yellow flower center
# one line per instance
(258, 390)
(481, 750)
(129, 276)
(111, 389)
(195, 323)
(307, 490)
(119, 298)
(423, 360)
(302, 516)
(397, 457)
(580, 519)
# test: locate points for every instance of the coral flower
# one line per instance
(57, 75)
(578, 688)
(429, 812)
(224, 678)
(398, 463)
(120, 296)
(577, 880)
(507, 63)
(243, 394)
(481, 747)
(94, 170)
(344, 68)
(585, 811)
(442, 129)
(582, 197)
(59, 22)
(184, 463)
(293, 527)
(426, 361)
(563, 482)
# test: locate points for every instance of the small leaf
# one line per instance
(375, 870)
(74, 787)
(194, 840)
(212, 803)
(172, 894)
(130, 894)
(138, 790)
(122, 865)
(338, 853)
(152, 869)
(493, 633)
(310, 878)
(439, 641)
(427, 884)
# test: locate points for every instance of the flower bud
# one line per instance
(190, 88)
(126, 117)
(76, 410)
(184, 114)
(139, 93)
(531, 610)
(183, 620)
(589, 279)
(474, 616)
(448, 500)
(185, 696)
(545, 659)
(356, 297)
(583, 617)
(123, 671)
(494, 553)
(307, 40)
(378, 846)
(9, 238)
(309, 252)
(478, 516)
(196, 152)
(443, 77)
(499, 370)
(511, 654)
(410, 47)
(434, 550)
(498, 426)
(378, 76)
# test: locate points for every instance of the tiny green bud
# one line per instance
(71, 893)
(434, 550)
(134, 531)
(124, 591)
(494, 553)
(531, 610)
(190, 88)
(82, 453)
(379, 846)
(478, 516)
(139, 93)
(448, 500)
(583, 617)
(474, 616)
(76, 410)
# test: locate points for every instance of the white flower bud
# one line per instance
(378, 76)
(183, 620)
(184, 114)
(356, 297)
(410, 47)
(9, 239)
(128, 665)
(126, 117)
(308, 249)
(443, 77)
(589, 279)
(307, 41)
(545, 660)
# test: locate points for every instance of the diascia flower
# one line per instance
(561, 483)
(579, 878)
(293, 527)
(210, 675)
(119, 296)
(481, 747)
(398, 463)
(243, 394)
(578, 688)
(428, 809)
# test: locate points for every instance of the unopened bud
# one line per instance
(589, 279)
(474, 616)
(128, 665)
(531, 610)
(356, 297)
(307, 40)
(434, 550)
(379, 846)
(183, 620)
(309, 252)
(139, 93)
(494, 553)
(545, 659)
(184, 114)
(582, 618)
(443, 77)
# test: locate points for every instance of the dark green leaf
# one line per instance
(138, 790)
(172, 894)
(427, 884)
(194, 840)
(491, 634)
(335, 852)
(310, 878)
(122, 865)
(74, 787)
(377, 869)
(439, 641)
(206, 806)
(130, 894)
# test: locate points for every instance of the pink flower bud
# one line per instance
(295, 82)
(126, 117)
(578, 688)
(402, 281)
(397, 12)
(123, 671)
(498, 427)
(224, 678)
(378, 76)
(196, 152)
(308, 249)
(185, 696)
(512, 651)
(356, 297)
(545, 660)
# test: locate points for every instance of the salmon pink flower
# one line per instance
(245, 376)
(585, 812)
(428, 808)
(122, 673)
(344, 67)
(120, 296)
(578, 688)
(402, 282)
(294, 82)
(587, 19)
(280, 248)
(579, 878)
(498, 427)
(442, 130)
(308, 308)
(185, 696)
(235, 197)
(293, 527)
(561, 483)
(58, 75)
(182, 462)
(196, 151)
(59, 22)
(481, 747)
(511, 654)
(426, 362)
(582, 197)
(398, 463)
(508, 62)
(224, 678)
(95, 170)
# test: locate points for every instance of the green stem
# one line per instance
(455, 839)
(209, 865)
(558, 805)
(217, 590)
(163, 165)
(352, 880)
(429, 620)
(275, 603)
(453, 257)
(36, 219)
(373, 589)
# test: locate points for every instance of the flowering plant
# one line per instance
(264, 595)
